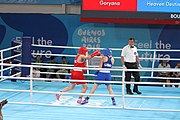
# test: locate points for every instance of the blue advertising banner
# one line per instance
(159, 6)
(41, 1)
(67, 30)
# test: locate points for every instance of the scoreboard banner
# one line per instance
(155, 11)
(119, 5)
(159, 5)
(133, 5)
(41, 1)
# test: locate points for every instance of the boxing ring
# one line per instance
(34, 98)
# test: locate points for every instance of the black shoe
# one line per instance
(47, 80)
(129, 92)
(138, 92)
(3, 102)
(113, 102)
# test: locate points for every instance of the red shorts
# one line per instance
(77, 75)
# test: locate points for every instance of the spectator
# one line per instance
(162, 65)
(51, 69)
(176, 74)
(64, 61)
(8, 71)
(36, 71)
(38, 59)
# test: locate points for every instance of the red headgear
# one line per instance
(82, 50)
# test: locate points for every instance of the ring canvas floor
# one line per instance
(81, 112)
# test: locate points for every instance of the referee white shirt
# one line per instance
(129, 54)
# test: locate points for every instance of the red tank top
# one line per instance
(76, 64)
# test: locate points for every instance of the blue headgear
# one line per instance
(107, 51)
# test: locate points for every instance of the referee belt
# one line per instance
(131, 62)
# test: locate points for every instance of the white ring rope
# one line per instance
(54, 54)
(7, 49)
(55, 67)
(175, 59)
(14, 75)
(59, 67)
(73, 80)
(85, 94)
(117, 76)
(14, 56)
(6, 68)
(68, 65)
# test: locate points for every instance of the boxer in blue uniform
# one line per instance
(103, 75)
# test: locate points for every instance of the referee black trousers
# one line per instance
(128, 74)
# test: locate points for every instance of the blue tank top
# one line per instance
(107, 64)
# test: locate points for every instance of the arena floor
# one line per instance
(38, 112)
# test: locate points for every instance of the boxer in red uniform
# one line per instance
(78, 74)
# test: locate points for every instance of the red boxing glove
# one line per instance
(96, 53)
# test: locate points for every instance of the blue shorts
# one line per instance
(103, 77)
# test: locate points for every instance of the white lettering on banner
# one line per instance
(172, 4)
(175, 16)
(91, 32)
(141, 45)
(91, 38)
(42, 41)
(151, 55)
(148, 45)
(107, 3)
(167, 4)
(155, 4)
(42, 52)
(161, 45)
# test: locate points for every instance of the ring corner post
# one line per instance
(26, 55)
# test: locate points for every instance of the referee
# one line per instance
(129, 59)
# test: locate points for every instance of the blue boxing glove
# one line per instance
(96, 72)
